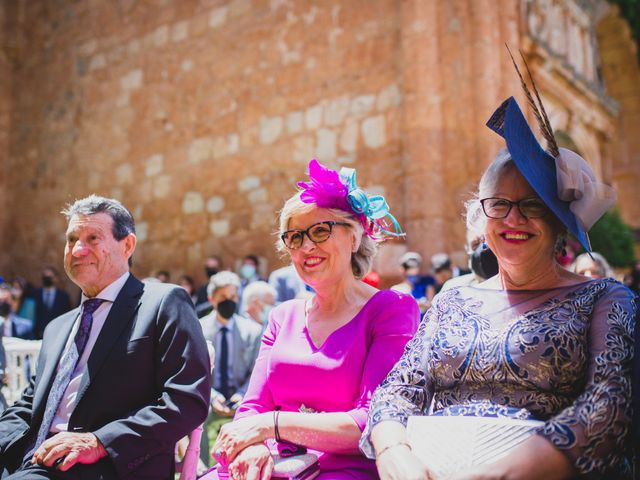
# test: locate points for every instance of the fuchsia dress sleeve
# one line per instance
(338, 376)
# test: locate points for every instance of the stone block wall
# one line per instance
(200, 115)
(6, 67)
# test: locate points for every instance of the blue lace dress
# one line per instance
(562, 355)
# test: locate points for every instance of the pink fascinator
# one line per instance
(330, 189)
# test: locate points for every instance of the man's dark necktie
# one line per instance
(49, 298)
(224, 363)
(65, 369)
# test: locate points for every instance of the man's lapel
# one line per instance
(54, 352)
(120, 315)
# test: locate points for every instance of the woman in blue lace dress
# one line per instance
(534, 342)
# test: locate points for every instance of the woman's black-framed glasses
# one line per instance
(530, 207)
(317, 233)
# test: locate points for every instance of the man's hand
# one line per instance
(65, 449)
(219, 408)
(235, 400)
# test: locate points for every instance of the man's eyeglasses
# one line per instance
(317, 233)
(531, 207)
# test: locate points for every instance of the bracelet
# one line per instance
(276, 414)
(388, 447)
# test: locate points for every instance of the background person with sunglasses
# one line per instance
(322, 358)
(534, 342)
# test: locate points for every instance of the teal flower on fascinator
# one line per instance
(330, 189)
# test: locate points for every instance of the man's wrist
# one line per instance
(100, 450)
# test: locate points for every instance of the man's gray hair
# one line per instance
(123, 223)
(258, 289)
(221, 280)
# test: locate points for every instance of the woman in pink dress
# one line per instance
(322, 358)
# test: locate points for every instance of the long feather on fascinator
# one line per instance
(561, 178)
(540, 113)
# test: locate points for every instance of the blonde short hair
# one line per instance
(361, 259)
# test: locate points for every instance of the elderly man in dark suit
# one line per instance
(121, 378)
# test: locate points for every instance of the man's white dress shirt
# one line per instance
(67, 404)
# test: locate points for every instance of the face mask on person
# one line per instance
(210, 271)
(47, 281)
(247, 271)
(5, 309)
(226, 308)
(264, 314)
(484, 262)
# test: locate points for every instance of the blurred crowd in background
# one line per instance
(25, 309)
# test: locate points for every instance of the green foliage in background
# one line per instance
(613, 238)
(630, 10)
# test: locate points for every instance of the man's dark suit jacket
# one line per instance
(147, 385)
(44, 314)
(21, 327)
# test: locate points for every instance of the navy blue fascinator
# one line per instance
(562, 179)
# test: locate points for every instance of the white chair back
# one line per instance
(20, 354)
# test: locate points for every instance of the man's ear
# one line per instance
(129, 244)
